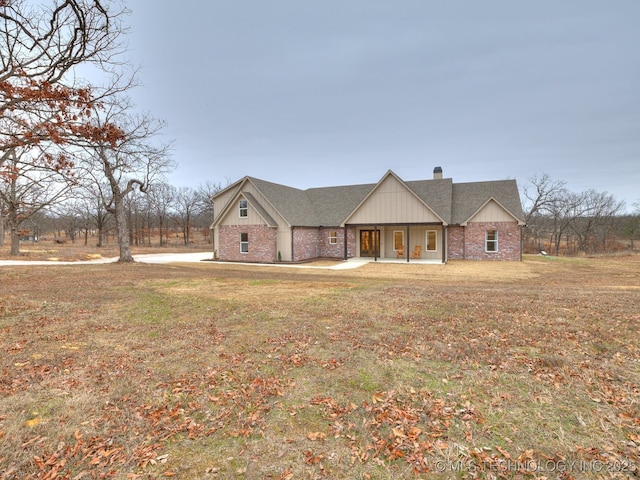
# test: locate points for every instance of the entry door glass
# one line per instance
(369, 243)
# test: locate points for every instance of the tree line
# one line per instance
(560, 221)
(164, 215)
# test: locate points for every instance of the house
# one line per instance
(434, 219)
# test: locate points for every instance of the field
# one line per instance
(207, 371)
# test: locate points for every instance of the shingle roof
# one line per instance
(334, 204)
(292, 203)
(467, 198)
(455, 203)
(436, 194)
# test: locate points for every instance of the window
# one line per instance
(432, 237)
(491, 241)
(244, 208)
(244, 243)
(398, 240)
(333, 237)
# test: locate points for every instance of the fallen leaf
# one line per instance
(33, 422)
(377, 397)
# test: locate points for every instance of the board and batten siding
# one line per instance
(222, 200)
(492, 212)
(392, 202)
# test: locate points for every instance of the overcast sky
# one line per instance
(322, 93)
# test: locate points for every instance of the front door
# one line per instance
(369, 243)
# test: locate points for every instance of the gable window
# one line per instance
(491, 241)
(398, 240)
(244, 243)
(333, 237)
(432, 238)
(243, 208)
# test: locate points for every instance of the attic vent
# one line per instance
(437, 173)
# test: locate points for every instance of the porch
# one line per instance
(398, 243)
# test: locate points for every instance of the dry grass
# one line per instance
(389, 371)
(72, 251)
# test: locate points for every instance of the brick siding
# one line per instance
(455, 243)
(336, 250)
(305, 243)
(509, 241)
(262, 243)
(313, 242)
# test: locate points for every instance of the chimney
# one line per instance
(437, 173)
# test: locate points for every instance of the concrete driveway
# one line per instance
(182, 257)
(147, 258)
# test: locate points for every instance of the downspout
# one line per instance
(292, 245)
(445, 231)
(464, 242)
(213, 243)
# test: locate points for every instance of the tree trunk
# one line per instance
(123, 232)
(15, 240)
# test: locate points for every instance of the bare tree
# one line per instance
(594, 220)
(631, 228)
(130, 163)
(27, 187)
(186, 203)
(562, 212)
(540, 194)
(2, 220)
(205, 212)
(41, 100)
(96, 211)
(543, 197)
(162, 198)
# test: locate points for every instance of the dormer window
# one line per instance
(243, 208)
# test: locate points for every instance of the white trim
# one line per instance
(426, 241)
(494, 241)
(401, 232)
(242, 209)
(244, 243)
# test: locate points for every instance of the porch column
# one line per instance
(345, 243)
(406, 251)
(444, 244)
(375, 243)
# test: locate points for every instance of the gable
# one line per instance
(222, 198)
(470, 198)
(391, 201)
(492, 211)
(259, 211)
